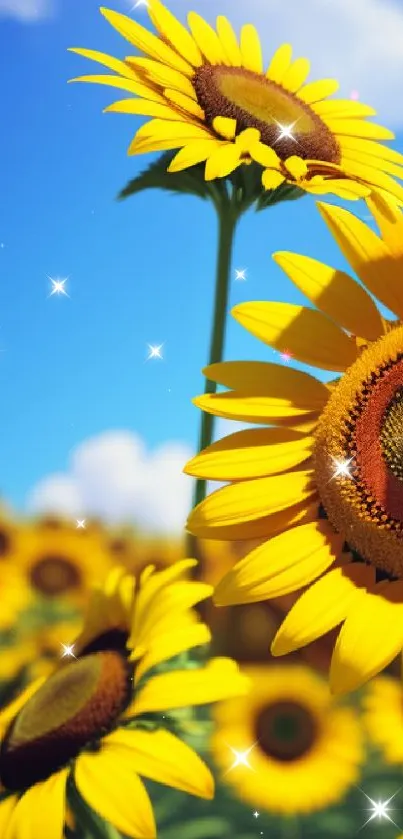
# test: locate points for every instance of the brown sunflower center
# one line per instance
(286, 731)
(5, 543)
(361, 429)
(256, 102)
(54, 575)
(70, 711)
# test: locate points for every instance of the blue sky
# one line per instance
(140, 272)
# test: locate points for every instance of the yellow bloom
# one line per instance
(304, 752)
(80, 723)
(208, 94)
(58, 560)
(135, 551)
(325, 480)
(383, 707)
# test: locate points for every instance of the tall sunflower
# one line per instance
(383, 712)
(325, 480)
(87, 730)
(303, 752)
(209, 95)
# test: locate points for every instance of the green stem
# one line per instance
(227, 222)
(290, 828)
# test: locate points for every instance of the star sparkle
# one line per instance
(256, 814)
(342, 468)
(285, 132)
(240, 273)
(68, 651)
(154, 351)
(286, 356)
(241, 758)
(380, 809)
(58, 286)
(80, 524)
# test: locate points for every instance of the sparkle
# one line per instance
(154, 351)
(241, 758)
(256, 814)
(354, 95)
(139, 3)
(380, 809)
(80, 524)
(58, 286)
(68, 651)
(286, 356)
(240, 273)
(285, 132)
(342, 468)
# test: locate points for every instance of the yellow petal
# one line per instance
(272, 179)
(264, 155)
(251, 500)
(144, 108)
(334, 293)
(368, 147)
(296, 167)
(151, 587)
(247, 139)
(368, 256)
(296, 74)
(371, 637)
(206, 39)
(225, 126)
(251, 49)
(195, 152)
(146, 41)
(162, 757)
(326, 604)
(316, 91)
(166, 130)
(282, 565)
(280, 63)
(285, 325)
(185, 103)
(131, 85)
(174, 32)
(145, 145)
(267, 379)
(348, 190)
(251, 454)
(229, 41)
(218, 680)
(264, 527)
(172, 644)
(373, 176)
(222, 161)
(358, 128)
(107, 782)
(6, 808)
(40, 811)
(106, 60)
(160, 617)
(390, 222)
(162, 74)
(245, 407)
(342, 109)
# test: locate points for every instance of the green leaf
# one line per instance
(207, 828)
(284, 192)
(189, 182)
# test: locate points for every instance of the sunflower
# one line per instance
(135, 551)
(302, 751)
(95, 739)
(325, 480)
(383, 717)
(209, 96)
(59, 560)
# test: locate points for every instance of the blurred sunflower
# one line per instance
(209, 95)
(94, 738)
(327, 481)
(135, 551)
(59, 560)
(303, 751)
(383, 717)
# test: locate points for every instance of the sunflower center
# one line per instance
(70, 711)
(256, 102)
(53, 575)
(361, 429)
(5, 543)
(286, 731)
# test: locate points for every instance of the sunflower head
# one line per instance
(209, 96)
(291, 736)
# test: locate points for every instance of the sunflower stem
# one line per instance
(291, 828)
(228, 213)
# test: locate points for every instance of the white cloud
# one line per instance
(359, 42)
(26, 10)
(114, 477)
